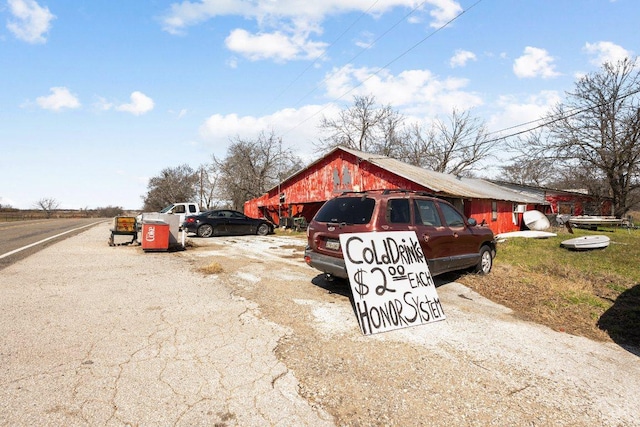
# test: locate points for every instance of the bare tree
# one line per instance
(48, 205)
(416, 145)
(597, 131)
(208, 186)
(172, 185)
(529, 169)
(584, 179)
(456, 146)
(363, 126)
(252, 167)
(391, 134)
(535, 172)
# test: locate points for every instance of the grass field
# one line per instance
(594, 293)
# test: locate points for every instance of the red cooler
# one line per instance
(155, 236)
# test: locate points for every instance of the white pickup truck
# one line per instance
(180, 209)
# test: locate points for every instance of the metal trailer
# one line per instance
(124, 226)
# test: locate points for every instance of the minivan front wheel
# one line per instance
(486, 261)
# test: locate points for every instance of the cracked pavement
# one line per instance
(111, 336)
(92, 335)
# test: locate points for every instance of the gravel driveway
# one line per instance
(99, 335)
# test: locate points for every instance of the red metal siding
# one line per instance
(565, 204)
(482, 211)
(305, 192)
(577, 204)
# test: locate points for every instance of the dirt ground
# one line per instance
(483, 365)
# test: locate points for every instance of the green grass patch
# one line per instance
(618, 260)
(584, 298)
(592, 293)
(617, 288)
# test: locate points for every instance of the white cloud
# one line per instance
(188, 13)
(140, 104)
(445, 11)
(286, 27)
(232, 63)
(277, 46)
(179, 114)
(416, 92)
(30, 20)
(366, 40)
(515, 111)
(269, 12)
(461, 57)
(606, 52)
(535, 62)
(59, 99)
(297, 127)
(102, 104)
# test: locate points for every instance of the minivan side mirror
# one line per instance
(472, 222)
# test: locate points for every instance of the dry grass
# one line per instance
(595, 294)
(212, 268)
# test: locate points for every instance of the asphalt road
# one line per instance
(99, 335)
(20, 239)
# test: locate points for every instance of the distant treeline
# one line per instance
(12, 214)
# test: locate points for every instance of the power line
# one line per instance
(323, 54)
(570, 113)
(363, 50)
(446, 24)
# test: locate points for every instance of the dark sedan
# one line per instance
(225, 222)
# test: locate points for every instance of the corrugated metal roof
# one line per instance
(447, 184)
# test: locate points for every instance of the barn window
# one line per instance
(565, 208)
(494, 210)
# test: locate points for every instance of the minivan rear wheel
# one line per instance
(486, 261)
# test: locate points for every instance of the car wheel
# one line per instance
(263, 229)
(486, 261)
(205, 231)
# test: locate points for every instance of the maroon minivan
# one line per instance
(449, 241)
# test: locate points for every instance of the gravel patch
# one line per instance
(480, 366)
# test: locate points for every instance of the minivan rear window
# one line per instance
(348, 210)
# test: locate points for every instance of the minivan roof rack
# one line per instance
(386, 191)
(405, 190)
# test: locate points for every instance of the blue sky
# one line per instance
(96, 97)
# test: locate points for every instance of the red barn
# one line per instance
(565, 202)
(342, 169)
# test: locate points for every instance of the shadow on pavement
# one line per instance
(622, 320)
(333, 286)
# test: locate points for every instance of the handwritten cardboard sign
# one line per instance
(390, 280)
